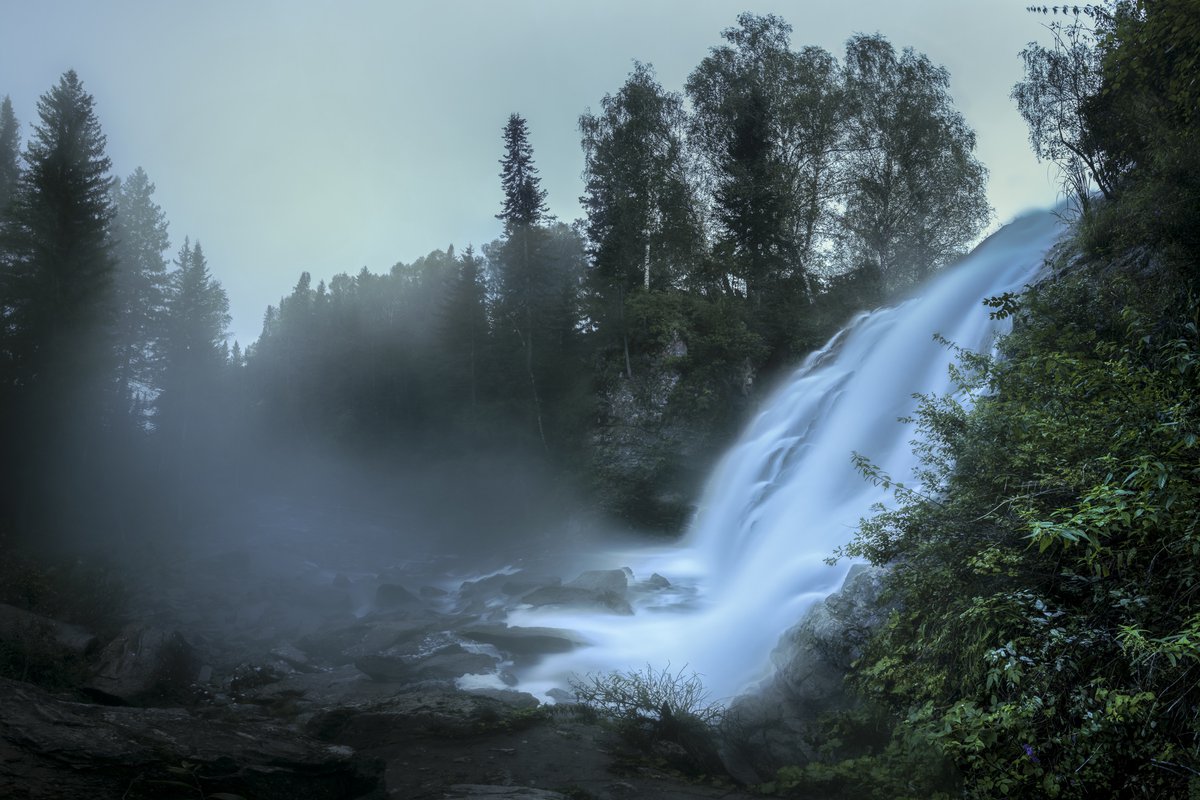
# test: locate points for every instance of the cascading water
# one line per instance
(787, 494)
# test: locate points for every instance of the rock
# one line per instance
(416, 713)
(18, 625)
(518, 641)
(145, 666)
(53, 749)
(342, 645)
(656, 581)
(392, 595)
(561, 696)
(811, 661)
(496, 591)
(602, 580)
(583, 598)
(432, 592)
(477, 791)
(293, 657)
(447, 663)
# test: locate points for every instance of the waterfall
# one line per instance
(787, 495)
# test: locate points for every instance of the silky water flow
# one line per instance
(787, 494)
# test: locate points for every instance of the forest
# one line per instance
(1043, 629)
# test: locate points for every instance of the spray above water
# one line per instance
(787, 495)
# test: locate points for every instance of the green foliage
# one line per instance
(1046, 564)
(652, 707)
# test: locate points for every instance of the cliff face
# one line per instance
(652, 448)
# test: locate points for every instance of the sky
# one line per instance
(323, 136)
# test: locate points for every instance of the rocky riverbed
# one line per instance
(279, 661)
(283, 663)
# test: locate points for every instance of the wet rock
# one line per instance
(18, 625)
(580, 598)
(496, 591)
(392, 595)
(602, 580)
(293, 657)
(811, 661)
(656, 581)
(447, 663)
(518, 641)
(146, 666)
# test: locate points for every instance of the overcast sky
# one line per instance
(289, 135)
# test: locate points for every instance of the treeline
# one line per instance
(1045, 637)
(729, 228)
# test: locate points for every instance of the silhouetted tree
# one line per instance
(10, 169)
(140, 244)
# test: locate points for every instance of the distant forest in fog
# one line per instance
(730, 228)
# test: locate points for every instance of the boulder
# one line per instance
(18, 625)
(520, 642)
(656, 582)
(392, 595)
(774, 722)
(580, 598)
(602, 580)
(146, 666)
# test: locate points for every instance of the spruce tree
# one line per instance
(56, 287)
(524, 199)
(193, 346)
(140, 241)
(58, 281)
(10, 170)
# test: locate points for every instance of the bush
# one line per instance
(666, 712)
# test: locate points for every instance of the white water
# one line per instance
(787, 495)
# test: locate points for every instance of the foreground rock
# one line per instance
(26, 628)
(146, 666)
(52, 748)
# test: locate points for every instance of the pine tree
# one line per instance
(524, 199)
(193, 345)
(140, 241)
(58, 282)
(464, 331)
(10, 170)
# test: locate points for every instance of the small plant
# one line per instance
(648, 698)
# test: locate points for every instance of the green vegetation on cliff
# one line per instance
(1046, 562)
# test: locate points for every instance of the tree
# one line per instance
(464, 330)
(193, 348)
(58, 281)
(526, 280)
(1053, 99)
(140, 241)
(524, 199)
(642, 228)
(914, 189)
(56, 284)
(10, 170)
(736, 129)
